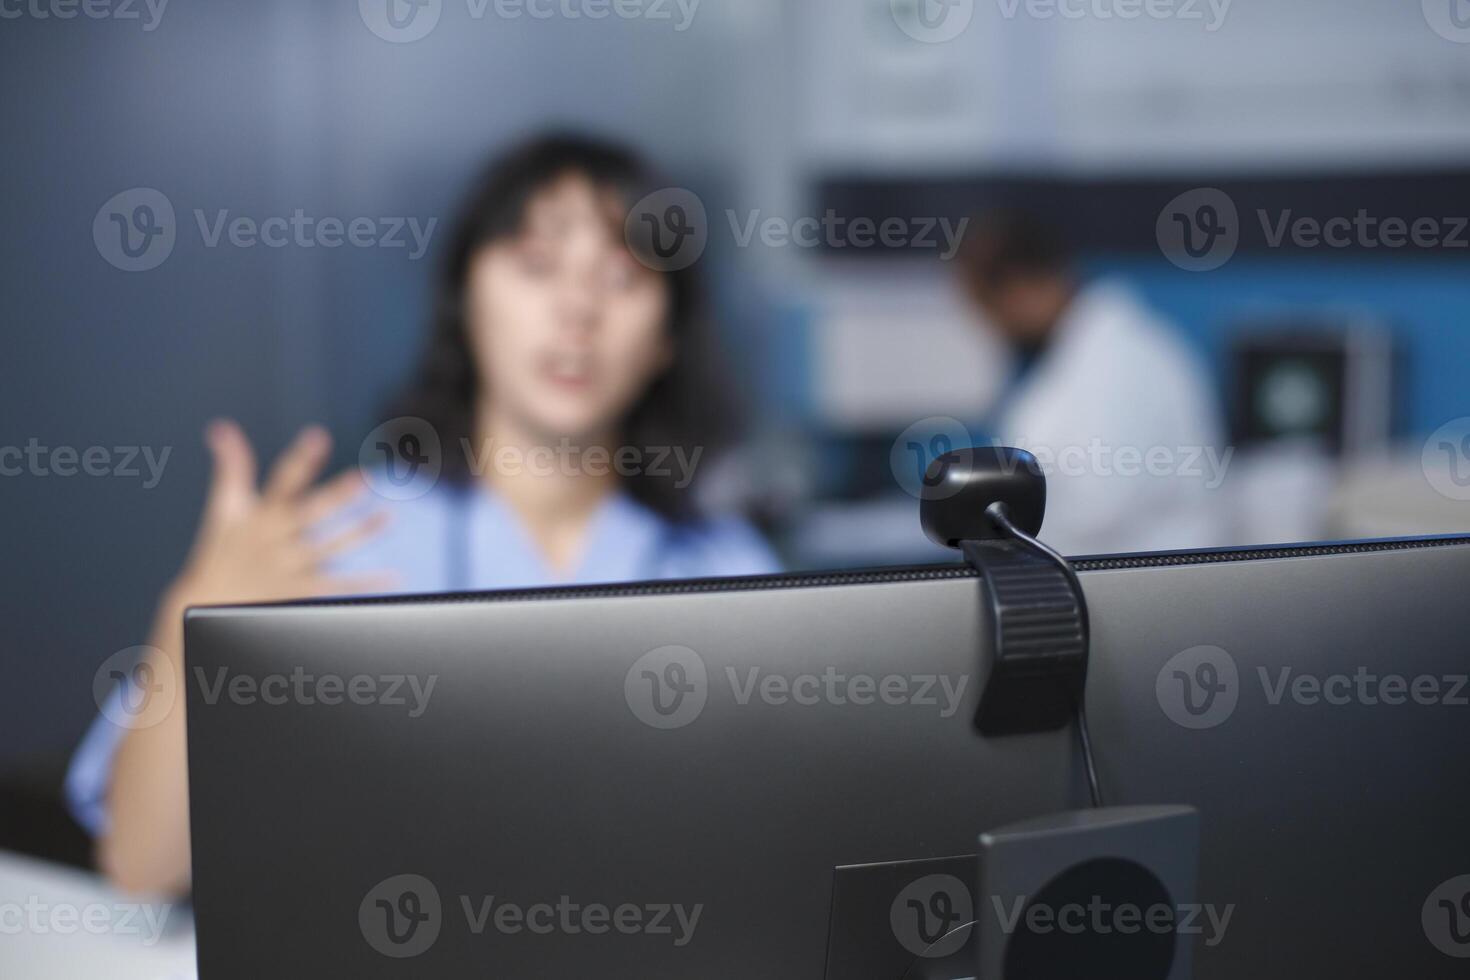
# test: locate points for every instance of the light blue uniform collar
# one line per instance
(624, 542)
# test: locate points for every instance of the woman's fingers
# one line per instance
(299, 465)
(353, 536)
(232, 486)
(330, 497)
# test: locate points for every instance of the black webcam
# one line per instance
(960, 488)
(989, 502)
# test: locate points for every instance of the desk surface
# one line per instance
(62, 924)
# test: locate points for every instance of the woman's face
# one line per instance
(568, 329)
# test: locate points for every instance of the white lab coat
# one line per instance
(1115, 384)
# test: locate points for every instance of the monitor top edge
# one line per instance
(850, 577)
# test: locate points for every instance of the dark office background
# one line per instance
(267, 107)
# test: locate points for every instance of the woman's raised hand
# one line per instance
(256, 544)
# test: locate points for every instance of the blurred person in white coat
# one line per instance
(1117, 409)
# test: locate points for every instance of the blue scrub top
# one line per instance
(468, 540)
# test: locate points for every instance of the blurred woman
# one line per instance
(563, 387)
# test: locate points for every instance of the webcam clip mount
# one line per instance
(989, 503)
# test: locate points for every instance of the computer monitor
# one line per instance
(662, 780)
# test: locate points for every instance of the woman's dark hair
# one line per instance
(682, 408)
